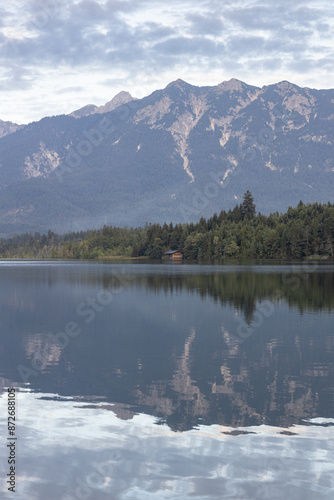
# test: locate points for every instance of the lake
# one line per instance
(168, 381)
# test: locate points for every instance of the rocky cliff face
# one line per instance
(8, 128)
(119, 99)
(178, 154)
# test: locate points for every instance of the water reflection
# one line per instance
(70, 451)
(167, 344)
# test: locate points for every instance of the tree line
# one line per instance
(305, 231)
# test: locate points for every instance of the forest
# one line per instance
(303, 232)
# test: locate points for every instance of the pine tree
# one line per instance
(248, 209)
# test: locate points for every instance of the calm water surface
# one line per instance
(138, 381)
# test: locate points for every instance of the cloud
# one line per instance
(275, 21)
(153, 32)
(202, 40)
(80, 33)
(242, 45)
(207, 24)
(187, 45)
(65, 90)
(16, 78)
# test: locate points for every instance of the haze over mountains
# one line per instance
(178, 154)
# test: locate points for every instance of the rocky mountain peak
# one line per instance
(232, 85)
(286, 86)
(90, 109)
(121, 98)
(156, 163)
(179, 83)
(8, 128)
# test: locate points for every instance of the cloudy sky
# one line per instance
(58, 55)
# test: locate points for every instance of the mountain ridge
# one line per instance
(177, 154)
(119, 99)
(7, 127)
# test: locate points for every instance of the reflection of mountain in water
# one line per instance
(167, 344)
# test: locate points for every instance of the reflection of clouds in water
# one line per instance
(64, 447)
(135, 349)
(320, 421)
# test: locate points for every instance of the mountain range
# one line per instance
(90, 109)
(178, 154)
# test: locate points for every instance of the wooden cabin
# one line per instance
(173, 255)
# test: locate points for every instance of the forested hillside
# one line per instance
(177, 154)
(302, 232)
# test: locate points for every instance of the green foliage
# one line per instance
(248, 208)
(303, 232)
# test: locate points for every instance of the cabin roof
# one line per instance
(171, 252)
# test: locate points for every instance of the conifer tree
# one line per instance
(248, 209)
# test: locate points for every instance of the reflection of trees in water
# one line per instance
(313, 291)
(183, 377)
(308, 291)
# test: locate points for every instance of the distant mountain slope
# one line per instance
(8, 128)
(175, 155)
(90, 109)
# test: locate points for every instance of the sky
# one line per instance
(59, 55)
